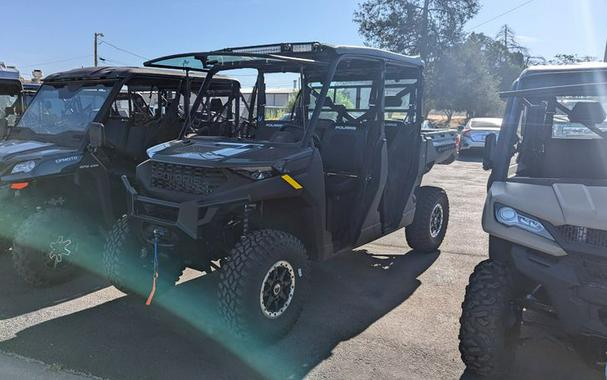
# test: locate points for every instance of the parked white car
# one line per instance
(476, 130)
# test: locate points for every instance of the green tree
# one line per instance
(424, 27)
(505, 58)
(464, 82)
(569, 59)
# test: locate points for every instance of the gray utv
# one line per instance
(61, 164)
(265, 197)
(546, 219)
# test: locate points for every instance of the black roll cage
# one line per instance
(276, 60)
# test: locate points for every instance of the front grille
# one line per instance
(591, 269)
(186, 179)
(583, 235)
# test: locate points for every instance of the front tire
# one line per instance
(431, 219)
(490, 321)
(129, 267)
(50, 245)
(264, 284)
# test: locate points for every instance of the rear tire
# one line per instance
(431, 219)
(264, 284)
(490, 321)
(50, 245)
(130, 268)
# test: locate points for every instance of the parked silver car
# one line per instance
(476, 130)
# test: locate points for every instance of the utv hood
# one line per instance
(50, 157)
(559, 203)
(223, 153)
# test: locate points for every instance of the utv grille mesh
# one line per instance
(583, 235)
(186, 179)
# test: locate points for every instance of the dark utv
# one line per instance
(62, 162)
(265, 197)
(546, 218)
(15, 95)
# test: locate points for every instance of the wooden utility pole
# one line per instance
(605, 57)
(96, 43)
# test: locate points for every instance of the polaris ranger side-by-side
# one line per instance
(265, 197)
(546, 216)
(63, 174)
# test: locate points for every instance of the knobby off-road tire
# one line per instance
(130, 268)
(490, 321)
(430, 221)
(264, 285)
(51, 244)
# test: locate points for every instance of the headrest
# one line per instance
(393, 101)
(216, 105)
(587, 113)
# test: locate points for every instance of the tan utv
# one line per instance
(546, 215)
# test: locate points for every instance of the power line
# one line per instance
(123, 50)
(502, 14)
(113, 61)
(56, 61)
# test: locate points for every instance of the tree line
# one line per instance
(464, 71)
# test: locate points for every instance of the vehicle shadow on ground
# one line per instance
(471, 157)
(17, 298)
(540, 355)
(122, 339)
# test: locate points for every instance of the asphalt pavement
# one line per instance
(382, 311)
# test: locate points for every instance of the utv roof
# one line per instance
(121, 72)
(8, 73)
(538, 80)
(303, 52)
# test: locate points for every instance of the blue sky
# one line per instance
(57, 35)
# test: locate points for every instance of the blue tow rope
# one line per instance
(155, 274)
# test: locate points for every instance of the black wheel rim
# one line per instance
(436, 220)
(277, 289)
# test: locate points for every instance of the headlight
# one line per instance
(24, 167)
(512, 218)
(256, 173)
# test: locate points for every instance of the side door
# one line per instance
(402, 124)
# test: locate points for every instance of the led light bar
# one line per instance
(277, 49)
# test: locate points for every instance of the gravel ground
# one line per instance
(380, 312)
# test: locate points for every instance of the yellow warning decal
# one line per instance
(288, 179)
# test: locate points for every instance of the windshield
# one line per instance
(66, 108)
(564, 128)
(561, 136)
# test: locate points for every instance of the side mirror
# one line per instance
(3, 128)
(490, 144)
(96, 135)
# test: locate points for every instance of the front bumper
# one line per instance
(187, 216)
(576, 285)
